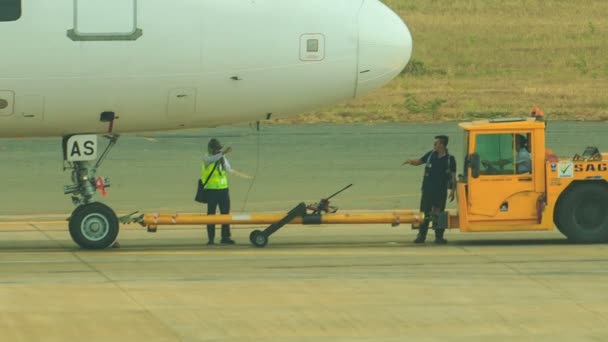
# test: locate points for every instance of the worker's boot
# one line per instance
(421, 234)
(226, 240)
(211, 234)
(439, 240)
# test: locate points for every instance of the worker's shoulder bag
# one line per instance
(201, 192)
(448, 174)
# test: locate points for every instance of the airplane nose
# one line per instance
(385, 46)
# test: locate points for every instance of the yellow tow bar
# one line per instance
(297, 215)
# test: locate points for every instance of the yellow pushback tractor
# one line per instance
(501, 191)
(510, 182)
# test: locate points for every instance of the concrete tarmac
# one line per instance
(327, 283)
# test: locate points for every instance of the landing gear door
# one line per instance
(505, 185)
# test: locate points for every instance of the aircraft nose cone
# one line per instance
(385, 46)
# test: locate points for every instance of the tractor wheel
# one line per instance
(582, 213)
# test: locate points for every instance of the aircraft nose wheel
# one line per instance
(258, 238)
(94, 226)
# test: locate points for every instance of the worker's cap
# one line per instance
(214, 144)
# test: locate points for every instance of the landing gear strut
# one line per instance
(93, 225)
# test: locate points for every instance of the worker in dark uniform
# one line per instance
(439, 176)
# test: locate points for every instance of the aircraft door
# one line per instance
(504, 187)
(7, 99)
(105, 20)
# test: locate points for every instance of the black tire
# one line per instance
(94, 226)
(72, 231)
(258, 238)
(582, 213)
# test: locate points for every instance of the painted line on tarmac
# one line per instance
(352, 249)
(315, 252)
(30, 222)
(186, 257)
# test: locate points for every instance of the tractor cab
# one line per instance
(503, 186)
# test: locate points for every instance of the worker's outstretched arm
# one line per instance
(418, 161)
(414, 162)
(240, 174)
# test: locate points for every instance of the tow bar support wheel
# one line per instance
(258, 238)
(94, 226)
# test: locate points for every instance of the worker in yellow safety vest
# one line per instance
(214, 175)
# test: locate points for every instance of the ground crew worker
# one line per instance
(439, 176)
(215, 168)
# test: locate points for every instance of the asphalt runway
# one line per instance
(327, 283)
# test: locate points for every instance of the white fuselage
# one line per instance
(164, 65)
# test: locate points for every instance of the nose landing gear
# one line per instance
(92, 225)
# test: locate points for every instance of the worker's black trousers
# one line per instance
(424, 228)
(215, 198)
(431, 204)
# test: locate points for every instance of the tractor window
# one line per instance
(10, 10)
(496, 153)
(504, 154)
